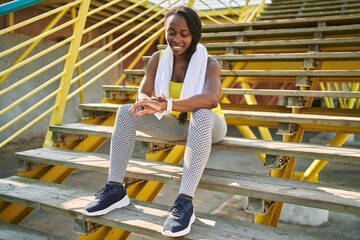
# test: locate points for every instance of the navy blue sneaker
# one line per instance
(181, 217)
(110, 197)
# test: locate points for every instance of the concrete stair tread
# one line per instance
(275, 189)
(140, 217)
(305, 150)
(263, 92)
(17, 232)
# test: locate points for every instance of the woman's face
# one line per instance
(177, 34)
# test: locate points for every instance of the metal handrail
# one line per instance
(63, 93)
(16, 5)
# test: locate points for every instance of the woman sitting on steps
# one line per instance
(178, 99)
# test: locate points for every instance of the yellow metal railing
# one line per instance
(72, 18)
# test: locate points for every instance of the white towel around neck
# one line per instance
(194, 78)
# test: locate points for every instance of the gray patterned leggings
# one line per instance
(203, 129)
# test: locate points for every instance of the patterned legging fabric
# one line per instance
(203, 129)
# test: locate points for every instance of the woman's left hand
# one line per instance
(149, 106)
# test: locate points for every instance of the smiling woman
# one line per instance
(178, 99)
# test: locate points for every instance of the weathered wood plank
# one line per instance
(304, 22)
(15, 232)
(271, 119)
(301, 193)
(302, 43)
(262, 92)
(140, 217)
(308, 9)
(312, 14)
(343, 29)
(311, 151)
(277, 73)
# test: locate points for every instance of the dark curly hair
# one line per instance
(193, 22)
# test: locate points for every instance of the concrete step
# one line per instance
(277, 148)
(16, 232)
(140, 217)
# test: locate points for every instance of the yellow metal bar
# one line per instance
(29, 110)
(27, 78)
(29, 125)
(208, 17)
(135, 61)
(218, 13)
(30, 94)
(114, 16)
(117, 39)
(10, 20)
(115, 63)
(78, 68)
(34, 57)
(251, 100)
(39, 17)
(191, 3)
(355, 87)
(229, 8)
(318, 165)
(35, 41)
(61, 99)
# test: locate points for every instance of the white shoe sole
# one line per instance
(122, 203)
(180, 233)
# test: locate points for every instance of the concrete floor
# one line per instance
(339, 226)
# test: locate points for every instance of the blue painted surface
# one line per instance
(16, 5)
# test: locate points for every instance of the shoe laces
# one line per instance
(104, 192)
(178, 209)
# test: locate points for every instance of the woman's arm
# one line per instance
(208, 99)
(146, 88)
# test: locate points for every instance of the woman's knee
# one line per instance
(202, 116)
(123, 111)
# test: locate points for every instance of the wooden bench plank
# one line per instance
(330, 42)
(277, 57)
(232, 115)
(139, 217)
(288, 32)
(309, 8)
(15, 232)
(275, 73)
(255, 118)
(305, 150)
(262, 92)
(295, 192)
(313, 14)
(294, 23)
